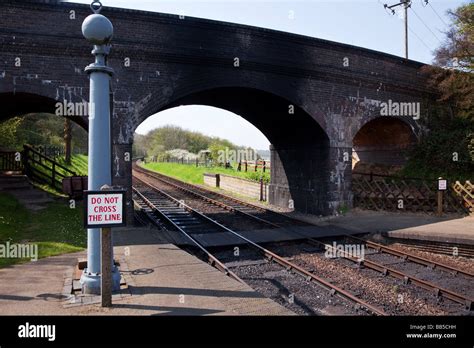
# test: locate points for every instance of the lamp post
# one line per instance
(98, 30)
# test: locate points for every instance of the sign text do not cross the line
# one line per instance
(104, 209)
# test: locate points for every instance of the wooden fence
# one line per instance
(57, 151)
(466, 192)
(254, 166)
(11, 161)
(382, 192)
(245, 166)
(44, 169)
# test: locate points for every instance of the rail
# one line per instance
(278, 259)
(468, 302)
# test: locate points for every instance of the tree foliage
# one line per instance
(448, 146)
(161, 140)
(39, 129)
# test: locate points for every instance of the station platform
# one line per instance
(161, 279)
(266, 235)
(452, 229)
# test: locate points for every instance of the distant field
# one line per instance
(19, 225)
(194, 175)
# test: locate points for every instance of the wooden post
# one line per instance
(261, 189)
(440, 197)
(106, 267)
(440, 203)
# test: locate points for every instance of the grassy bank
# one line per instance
(56, 230)
(78, 164)
(194, 175)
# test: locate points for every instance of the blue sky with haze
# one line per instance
(362, 23)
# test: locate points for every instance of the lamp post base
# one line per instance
(90, 282)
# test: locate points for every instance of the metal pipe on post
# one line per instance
(98, 30)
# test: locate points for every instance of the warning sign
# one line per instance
(104, 209)
(442, 184)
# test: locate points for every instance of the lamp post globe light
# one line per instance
(98, 30)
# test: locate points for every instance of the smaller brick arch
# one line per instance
(384, 140)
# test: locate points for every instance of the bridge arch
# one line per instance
(174, 59)
(22, 103)
(300, 146)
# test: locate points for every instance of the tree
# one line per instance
(448, 146)
(8, 130)
(452, 74)
(159, 141)
(40, 129)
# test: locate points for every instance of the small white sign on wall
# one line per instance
(104, 209)
(442, 184)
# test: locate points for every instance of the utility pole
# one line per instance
(406, 4)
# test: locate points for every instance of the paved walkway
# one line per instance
(449, 229)
(162, 279)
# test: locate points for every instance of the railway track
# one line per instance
(276, 220)
(439, 248)
(190, 221)
(252, 211)
(384, 269)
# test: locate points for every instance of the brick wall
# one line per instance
(185, 61)
(242, 187)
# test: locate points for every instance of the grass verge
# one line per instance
(192, 174)
(78, 164)
(56, 230)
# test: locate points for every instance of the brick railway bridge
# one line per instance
(315, 100)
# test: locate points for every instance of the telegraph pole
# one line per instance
(406, 4)
(406, 27)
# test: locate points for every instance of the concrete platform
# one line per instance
(162, 280)
(265, 235)
(448, 229)
(458, 231)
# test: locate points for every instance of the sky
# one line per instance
(363, 23)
